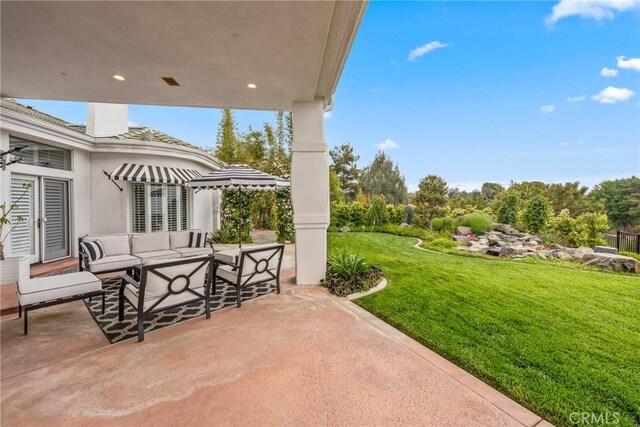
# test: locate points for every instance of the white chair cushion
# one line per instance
(145, 257)
(148, 242)
(156, 286)
(48, 288)
(116, 262)
(189, 252)
(228, 273)
(180, 239)
(113, 244)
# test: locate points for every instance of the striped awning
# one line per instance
(235, 177)
(158, 174)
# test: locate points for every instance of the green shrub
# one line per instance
(536, 214)
(589, 226)
(396, 213)
(284, 216)
(630, 254)
(357, 215)
(408, 214)
(444, 224)
(348, 273)
(441, 243)
(340, 214)
(378, 213)
(229, 234)
(508, 209)
(346, 265)
(479, 222)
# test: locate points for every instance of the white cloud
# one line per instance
(133, 124)
(426, 48)
(631, 63)
(608, 72)
(328, 114)
(611, 95)
(387, 145)
(548, 109)
(595, 9)
(574, 99)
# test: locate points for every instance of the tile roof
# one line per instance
(138, 133)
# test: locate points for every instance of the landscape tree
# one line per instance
(621, 200)
(508, 209)
(378, 213)
(335, 191)
(536, 214)
(527, 190)
(570, 195)
(227, 144)
(382, 177)
(430, 199)
(344, 164)
(490, 190)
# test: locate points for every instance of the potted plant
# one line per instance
(12, 268)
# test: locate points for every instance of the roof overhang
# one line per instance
(292, 51)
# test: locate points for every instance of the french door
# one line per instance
(55, 219)
(41, 219)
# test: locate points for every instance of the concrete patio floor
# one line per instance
(302, 357)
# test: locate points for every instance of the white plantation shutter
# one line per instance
(184, 209)
(23, 236)
(56, 211)
(159, 207)
(172, 207)
(138, 208)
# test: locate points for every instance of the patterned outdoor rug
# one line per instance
(117, 331)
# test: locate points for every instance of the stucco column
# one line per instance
(310, 191)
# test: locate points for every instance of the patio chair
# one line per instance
(256, 266)
(167, 284)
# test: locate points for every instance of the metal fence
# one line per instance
(624, 242)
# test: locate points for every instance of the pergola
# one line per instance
(241, 55)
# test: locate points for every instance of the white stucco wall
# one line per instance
(109, 206)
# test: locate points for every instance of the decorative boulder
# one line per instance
(462, 239)
(506, 229)
(463, 231)
(474, 249)
(612, 262)
(562, 255)
(580, 252)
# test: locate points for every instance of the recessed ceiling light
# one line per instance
(252, 86)
(118, 77)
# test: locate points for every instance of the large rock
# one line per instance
(515, 250)
(580, 252)
(506, 229)
(461, 230)
(461, 239)
(562, 255)
(612, 262)
(475, 248)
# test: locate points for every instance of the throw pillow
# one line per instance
(93, 250)
(197, 240)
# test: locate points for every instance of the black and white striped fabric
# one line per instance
(157, 174)
(93, 250)
(234, 177)
(197, 240)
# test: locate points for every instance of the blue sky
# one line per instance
(493, 91)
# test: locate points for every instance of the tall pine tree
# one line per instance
(382, 177)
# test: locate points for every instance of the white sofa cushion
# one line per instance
(154, 255)
(156, 287)
(48, 288)
(113, 244)
(189, 252)
(113, 263)
(180, 239)
(147, 242)
(267, 258)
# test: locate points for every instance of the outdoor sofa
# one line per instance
(124, 251)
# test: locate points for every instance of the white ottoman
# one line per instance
(54, 290)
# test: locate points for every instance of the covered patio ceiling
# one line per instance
(291, 51)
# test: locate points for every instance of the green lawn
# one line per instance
(557, 340)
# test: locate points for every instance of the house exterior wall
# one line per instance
(110, 206)
(96, 205)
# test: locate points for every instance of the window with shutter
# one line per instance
(159, 207)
